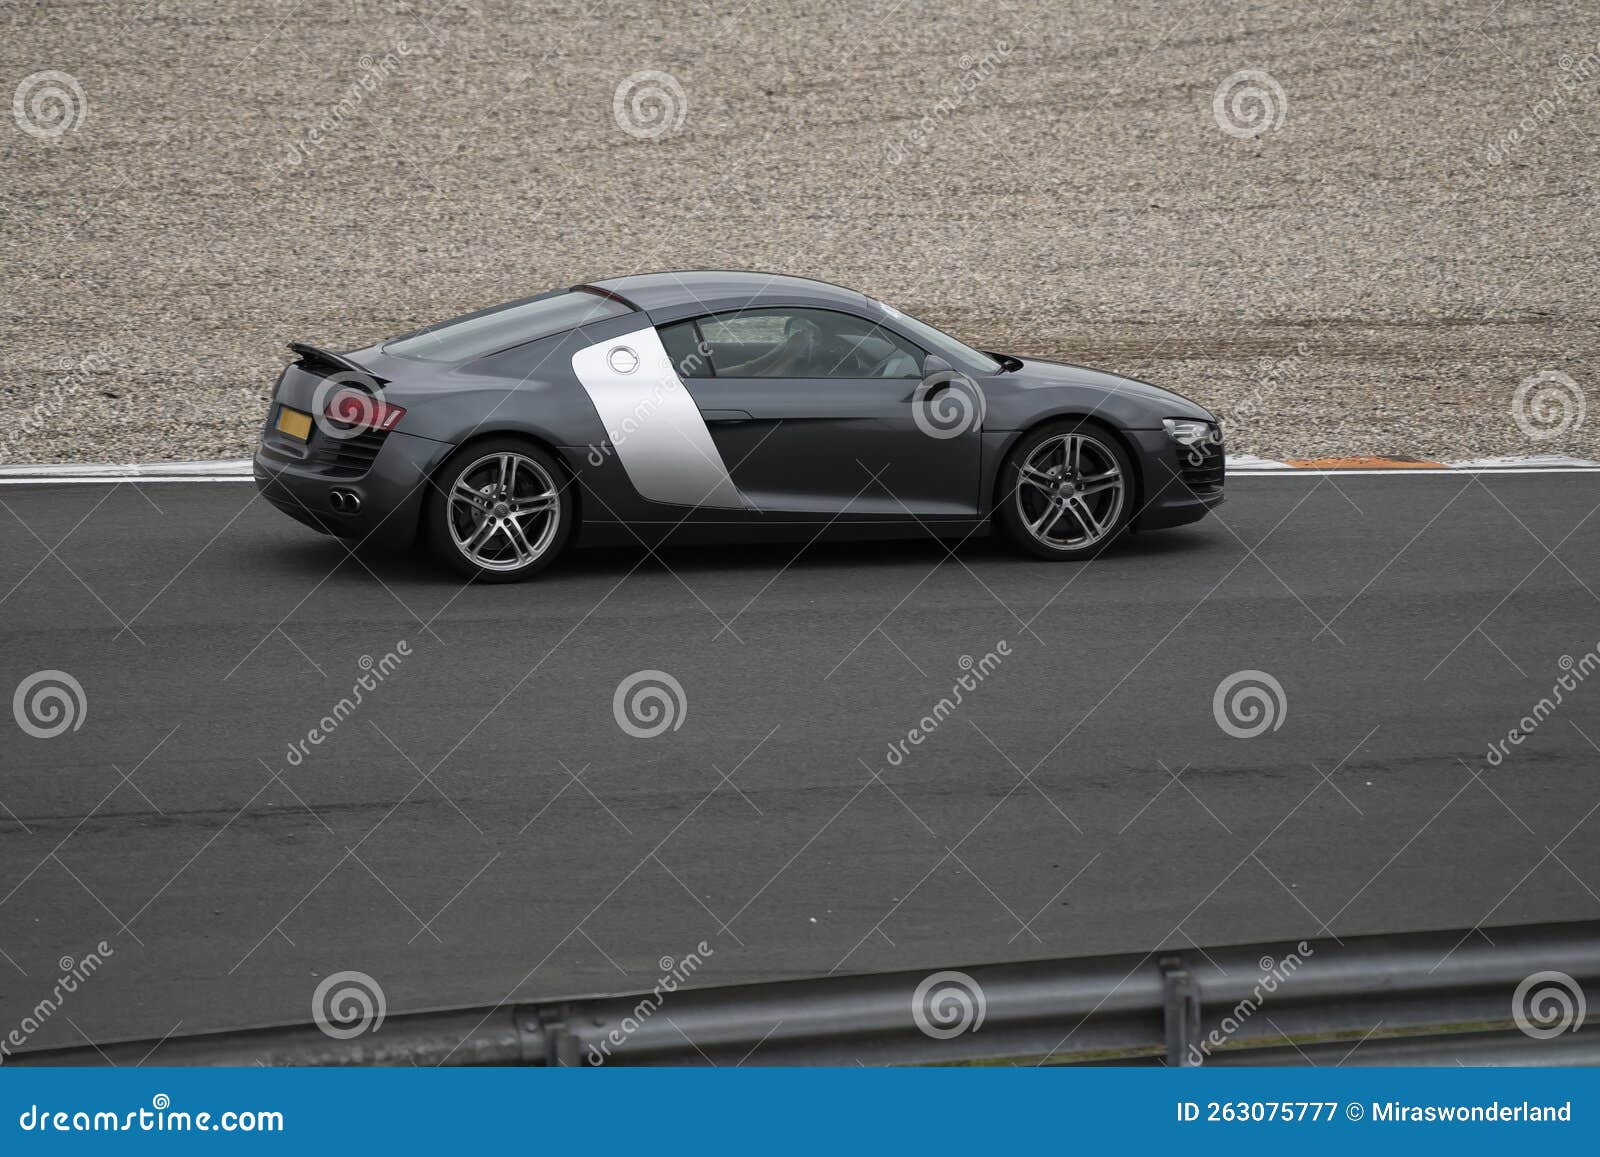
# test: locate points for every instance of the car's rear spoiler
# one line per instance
(602, 291)
(315, 357)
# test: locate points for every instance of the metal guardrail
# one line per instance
(1416, 998)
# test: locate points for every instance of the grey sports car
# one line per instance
(698, 406)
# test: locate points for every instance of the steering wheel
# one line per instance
(800, 329)
(883, 366)
(875, 370)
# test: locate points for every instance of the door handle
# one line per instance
(725, 417)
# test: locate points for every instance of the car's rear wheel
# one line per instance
(499, 510)
(1066, 490)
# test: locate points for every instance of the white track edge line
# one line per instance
(105, 479)
(239, 470)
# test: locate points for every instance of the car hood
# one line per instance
(1037, 373)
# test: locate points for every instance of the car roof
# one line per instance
(686, 291)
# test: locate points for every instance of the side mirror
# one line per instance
(946, 403)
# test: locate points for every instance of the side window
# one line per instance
(688, 354)
(806, 343)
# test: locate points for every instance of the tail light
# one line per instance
(359, 408)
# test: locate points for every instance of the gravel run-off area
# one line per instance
(1369, 244)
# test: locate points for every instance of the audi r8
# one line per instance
(696, 406)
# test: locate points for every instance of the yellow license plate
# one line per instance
(294, 423)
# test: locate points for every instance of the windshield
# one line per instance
(490, 330)
(937, 341)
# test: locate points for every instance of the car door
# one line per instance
(816, 412)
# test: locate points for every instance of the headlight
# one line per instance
(1189, 433)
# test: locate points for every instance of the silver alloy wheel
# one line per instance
(1070, 491)
(503, 511)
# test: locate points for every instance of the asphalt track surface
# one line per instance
(483, 829)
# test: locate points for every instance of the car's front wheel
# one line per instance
(1066, 489)
(499, 511)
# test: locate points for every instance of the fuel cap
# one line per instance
(622, 359)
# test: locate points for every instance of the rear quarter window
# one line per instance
(689, 354)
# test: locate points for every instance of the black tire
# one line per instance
(453, 521)
(1107, 504)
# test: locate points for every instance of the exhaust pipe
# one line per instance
(345, 501)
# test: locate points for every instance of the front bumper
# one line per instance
(391, 490)
(1180, 484)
